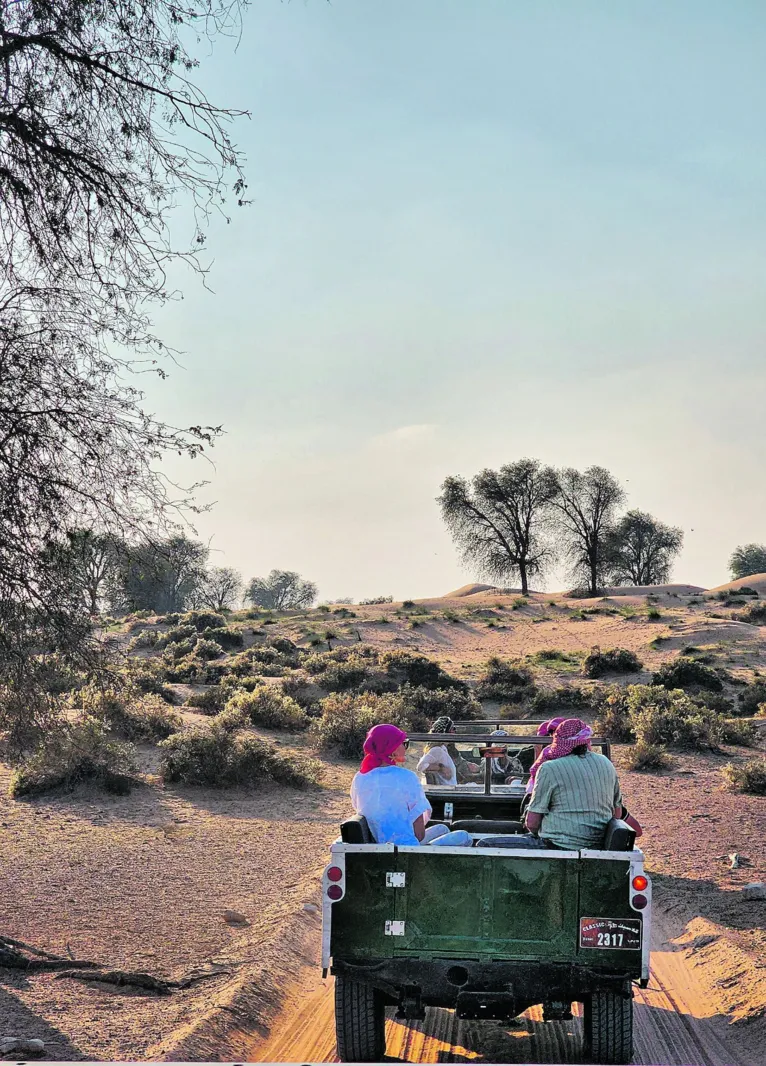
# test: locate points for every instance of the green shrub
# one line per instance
(751, 698)
(686, 673)
(345, 720)
(519, 602)
(408, 668)
(748, 776)
(426, 705)
(755, 615)
(614, 720)
(356, 673)
(653, 614)
(219, 755)
(554, 658)
(187, 671)
(407, 605)
(505, 680)
(226, 636)
(146, 676)
(208, 649)
(741, 734)
(74, 752)
(611, 661)
(661, 716)
(561, 696)
(147, 638)
(137, 717)
(178, 650)
(202, 620)
(210, 700)
(645, 757)
(268, 706)
(284, 646)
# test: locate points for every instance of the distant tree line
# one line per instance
(516, 522)
(167, 575)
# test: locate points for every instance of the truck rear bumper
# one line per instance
(479, 989)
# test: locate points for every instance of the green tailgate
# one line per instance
(487, 907)
(605, 893)
(359, 919)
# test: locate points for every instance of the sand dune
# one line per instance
(754, 581)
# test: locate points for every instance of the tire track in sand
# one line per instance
(676, 1023)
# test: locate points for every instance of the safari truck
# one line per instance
(487, 931)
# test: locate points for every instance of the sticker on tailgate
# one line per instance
(611, 933)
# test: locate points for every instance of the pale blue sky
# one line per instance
(480, 230)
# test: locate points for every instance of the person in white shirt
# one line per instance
(391, 797)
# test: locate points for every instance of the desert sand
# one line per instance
(141, 882)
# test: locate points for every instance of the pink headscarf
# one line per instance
(381, 742)
(568, 733)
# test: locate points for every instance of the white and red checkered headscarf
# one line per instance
(568, 734)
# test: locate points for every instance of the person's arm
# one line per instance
(419, 826)
(617, 812)
(418, 806)
(541, 801)
(631, 821)
(533, 822)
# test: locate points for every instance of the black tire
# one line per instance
(608, 1028)
(360, 1022)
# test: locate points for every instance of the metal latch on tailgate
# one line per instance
(394, 928)
(395, 879)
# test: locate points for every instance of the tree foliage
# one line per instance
(101, 128)
(747, 560)
(280, 591)
(499, 520)
(641, 550)
(586, 504)
(221, 588)
(162, 577)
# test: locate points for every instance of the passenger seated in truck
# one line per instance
(504, 768)
(576, 791)
(442, 763)
(391, 797)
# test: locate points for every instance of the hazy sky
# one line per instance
(480, 229)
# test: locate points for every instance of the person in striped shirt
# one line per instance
(576, 791)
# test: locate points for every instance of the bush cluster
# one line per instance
(209, 700)
(748, 776)
(137, 717)
(74, 752)
(220, 755)
(562, 696)
(505, 680)
(268, 706)
(346, 719)
(751, 699)
(687, 673)
(611, 661)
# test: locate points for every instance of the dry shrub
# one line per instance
(346, 719)
(673, 719)
(208, 649)
(210, 700)
(408, 668)
(752, 698)
(426, 705)
(748, 776)
(646, 757)
(741, 734)
(611, 661)
(73, 752)
(267, 706)
(686, 673)
(136, 716)
(219, 755)
(505, 680)
(225, 636)
(614, 720)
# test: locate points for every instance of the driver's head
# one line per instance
(547, 729)
(444, 724)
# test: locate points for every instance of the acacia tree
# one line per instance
(162, 576)
(586, 504)
(499, 520)
(221, 588)
(281, 590)
(101, 126)
(747, 560)
(640, 550)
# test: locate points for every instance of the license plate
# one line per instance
(614, 934)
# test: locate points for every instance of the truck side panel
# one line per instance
(605, 893)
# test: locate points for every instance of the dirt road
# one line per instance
(676, 1024)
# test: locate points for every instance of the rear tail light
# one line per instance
(639, 902)
(334, 873)
(640, 882)
(334, 892)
